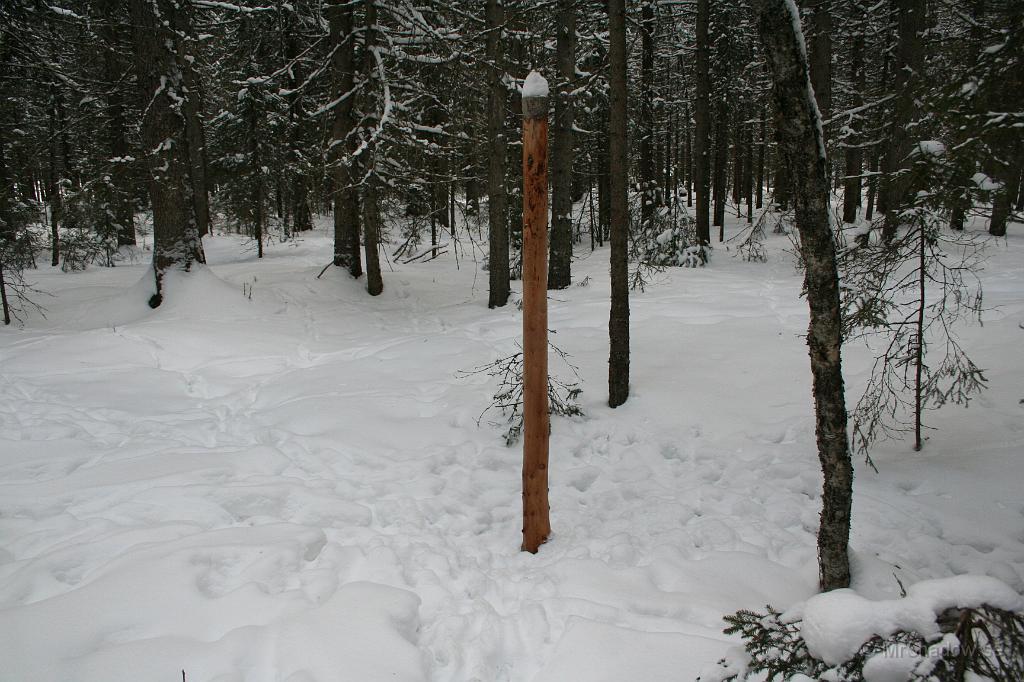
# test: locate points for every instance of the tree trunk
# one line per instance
(821, 58)
(854, 152)
(799, 128)
(1001, 208)
(618, 169)
(737, 166)
(298, 199)
(908, 74)
(345, 174)
(869, 205)
(256, 173)
(1020, 188)
(371, 238)
(176, 240)
(604, 210)
(702, 117)
(559, 266)
(497, 204)
(372, 223)
(192, 110)
(748, 171)
(122, 213)
(3, 296)
(7, 228)
(761, 149)
(688, 153)
(646, 118)
(55, 176)
(721, 164)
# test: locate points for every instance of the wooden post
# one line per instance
(536, 521)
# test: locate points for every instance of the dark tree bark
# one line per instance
(821, 57)
(55, 175)
(122, 213)
(618, 322)
(854, 152)
(7, 229)
(799, 128)
(907, 75)
(604, 210)
(783, 191)
(298, 191)
(721, 165)
(748, 170)
(371, 238)
(372, 222)
(761, 149)
(497, 204)
(688, 152)
(158, 54)
(256, 172)
(560, 261)
(873, 182)
(702, 119)
(347, 214)
(1002, 207)
(737, 166)
(1020, 189)
(645, 162)
(3, 296)
(192, 109)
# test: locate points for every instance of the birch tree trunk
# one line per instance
(800, 132)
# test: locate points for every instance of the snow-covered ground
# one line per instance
(278, 477)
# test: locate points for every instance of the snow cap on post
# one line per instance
(535, 96)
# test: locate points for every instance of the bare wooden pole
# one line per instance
(536, 521)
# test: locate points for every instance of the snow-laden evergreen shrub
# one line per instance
(969, 644)
(89, 235)
(671, 241)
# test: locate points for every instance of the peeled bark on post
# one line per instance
(618, 168)
(800, 133)
(536, 521)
